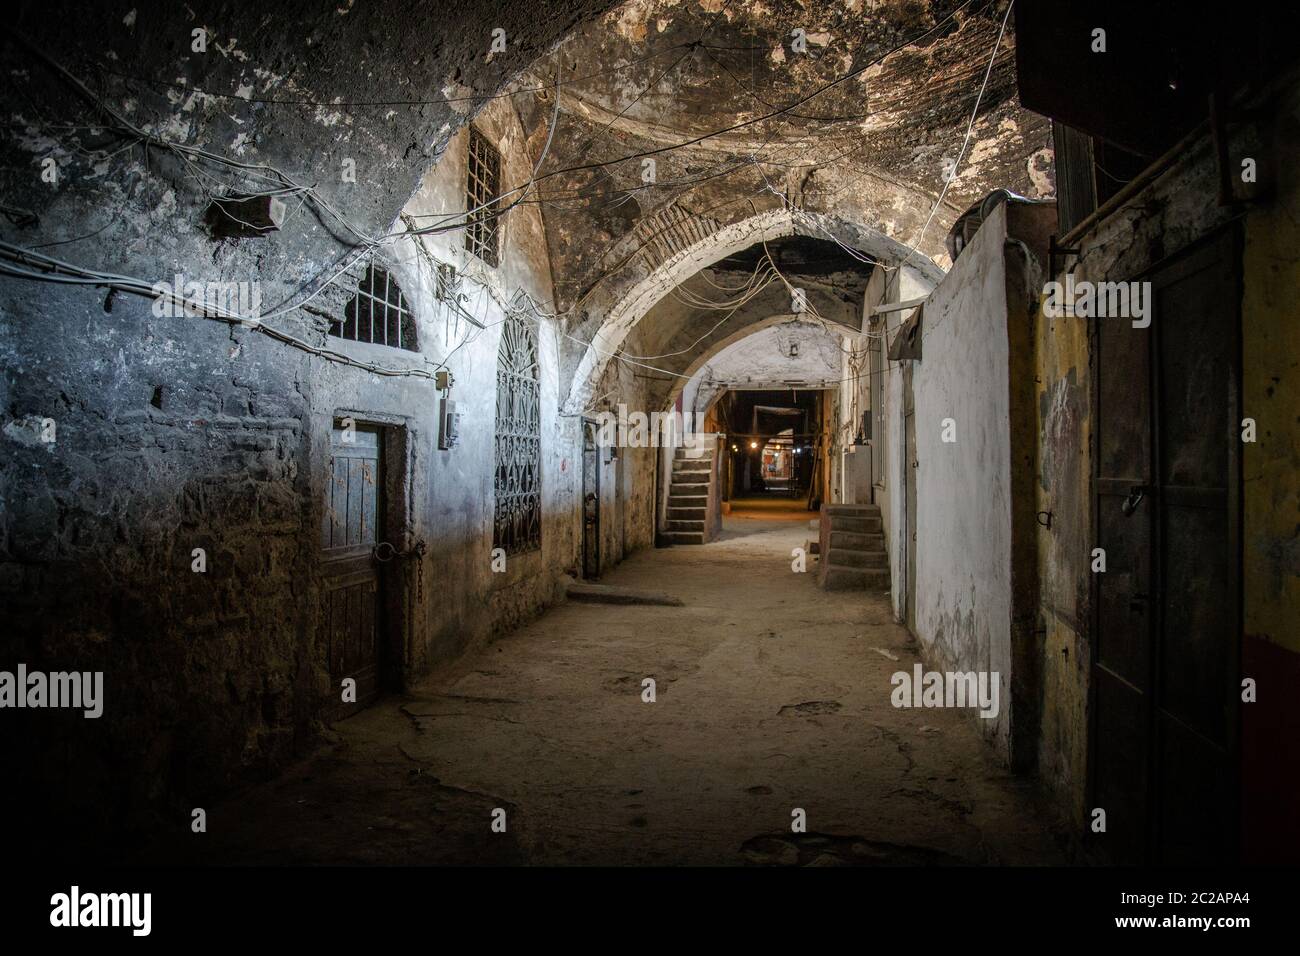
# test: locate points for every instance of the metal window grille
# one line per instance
(483, 184)
(378, 313)
(518, 524)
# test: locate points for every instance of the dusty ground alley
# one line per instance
(771, 696)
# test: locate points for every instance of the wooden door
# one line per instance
(352, 526)
(591, 453)
(1166, 631)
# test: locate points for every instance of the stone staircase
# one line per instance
(852, 549)
(688, 496)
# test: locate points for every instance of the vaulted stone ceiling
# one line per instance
(898, 83)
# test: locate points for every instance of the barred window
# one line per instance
(518, 525)
(378, 313)
(483, 183)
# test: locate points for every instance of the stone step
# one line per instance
(680, 513)
(857, 511)
(869, 541)
(859, 525)
(689, 488)
(840, 578)
(687, 501)
(857, 559)
(702, 465)
(694, 454)
(685, 537)
(689, 524)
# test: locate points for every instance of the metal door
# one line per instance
(1165, 612)
(352, 526)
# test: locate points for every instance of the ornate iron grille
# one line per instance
(483, 183)
(518, 525)
(378, 313)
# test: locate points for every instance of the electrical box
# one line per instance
(448, 425)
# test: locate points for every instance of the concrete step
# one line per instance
(857, 559)
(686, 525)
(687, 501)
(701, 465)
(840, 578)
(870, 541)
(703, 454)
(685, 537)
(859, 525)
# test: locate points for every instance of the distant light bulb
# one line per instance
(753, 444)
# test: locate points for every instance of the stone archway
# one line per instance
(623, 315)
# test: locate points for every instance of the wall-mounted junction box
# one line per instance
(448, 425)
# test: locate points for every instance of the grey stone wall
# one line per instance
(180, 433)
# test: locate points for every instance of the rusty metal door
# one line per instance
(352, 526)
(1165, 612)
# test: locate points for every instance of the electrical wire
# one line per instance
(284, 186)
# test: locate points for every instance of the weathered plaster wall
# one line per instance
(963, 487)
(469, 599)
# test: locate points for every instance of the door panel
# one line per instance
(590, 500)
(1166, 617)
(351, 528)
(1122, 641)
(1119, 779)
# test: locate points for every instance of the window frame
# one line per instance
(394, 311)
(482, 186)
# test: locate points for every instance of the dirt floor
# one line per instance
(772, 696)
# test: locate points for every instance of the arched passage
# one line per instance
(201, 458)
(649, 291)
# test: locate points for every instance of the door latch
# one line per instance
(1135, 496)
(384, 552)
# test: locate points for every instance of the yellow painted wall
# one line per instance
(1271, 391)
